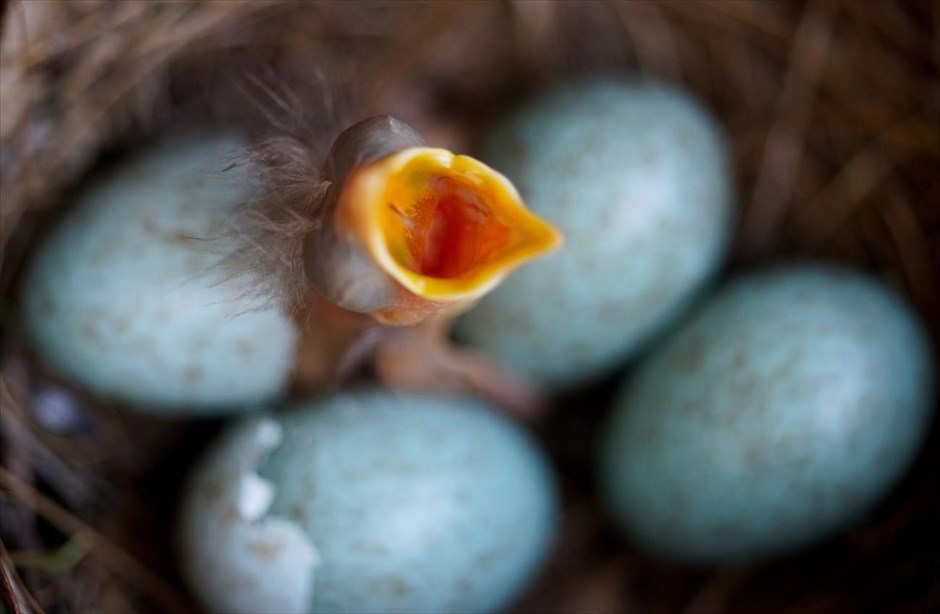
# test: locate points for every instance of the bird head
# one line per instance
(408, 231)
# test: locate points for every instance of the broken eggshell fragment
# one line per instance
(241, 559)
(368, 502)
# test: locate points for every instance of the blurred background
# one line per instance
(832, 109)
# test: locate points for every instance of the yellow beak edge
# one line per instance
(446, 227)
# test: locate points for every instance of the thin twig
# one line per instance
(111, 555)
(914, 254)
(653, 39)
(864, 171)
(15, 587)
(787, 137)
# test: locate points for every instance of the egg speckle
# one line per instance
(776, 415)
(126, 298)
(636, 177)
(405, 504)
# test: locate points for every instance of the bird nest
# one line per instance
(832, 111)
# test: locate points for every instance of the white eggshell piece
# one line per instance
(126, 296)
(246, 560)
(636, 177)
(778, 414)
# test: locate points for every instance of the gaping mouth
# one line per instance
(446, 227)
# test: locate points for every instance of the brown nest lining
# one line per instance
(832, 109)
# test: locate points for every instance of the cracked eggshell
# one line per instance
(240, 558)
(369, 502)
(778, 414)
(636, 177)
(125, 296)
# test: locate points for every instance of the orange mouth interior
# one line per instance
(446, 227)
(451, 231)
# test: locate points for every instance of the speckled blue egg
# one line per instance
(127, 298)
(369, 502)
(636, 177)
(776, 415)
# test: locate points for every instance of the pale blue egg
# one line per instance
(778, 414)
(636, 177)
(397, 503)
(127, 298)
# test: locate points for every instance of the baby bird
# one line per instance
(391, 240)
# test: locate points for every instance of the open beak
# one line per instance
(447, 228)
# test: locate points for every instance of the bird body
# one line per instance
(406, 237)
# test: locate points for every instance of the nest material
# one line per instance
(832, 109)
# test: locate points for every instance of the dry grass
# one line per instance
(833, 109)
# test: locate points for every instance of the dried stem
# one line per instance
(21, 600)
(110, 554)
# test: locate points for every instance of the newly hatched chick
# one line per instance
(404, 237)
